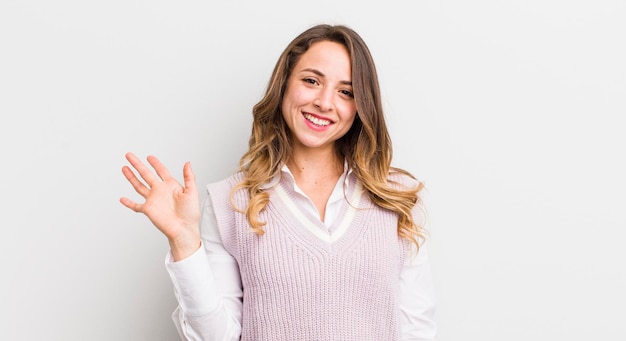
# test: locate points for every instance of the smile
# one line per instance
(317, 121)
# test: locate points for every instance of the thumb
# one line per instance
(189, 178)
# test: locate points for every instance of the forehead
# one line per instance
(326, 57)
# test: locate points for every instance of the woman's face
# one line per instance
(318, 105)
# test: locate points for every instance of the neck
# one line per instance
(315, 164)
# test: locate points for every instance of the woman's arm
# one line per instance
(416, 293)
(208, 288)
(417, 299)
(205, 277)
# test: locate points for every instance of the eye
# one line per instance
(310, 81)
(347, 93)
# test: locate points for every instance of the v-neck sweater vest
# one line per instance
(302, 281)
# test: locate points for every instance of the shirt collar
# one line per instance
(285, 173)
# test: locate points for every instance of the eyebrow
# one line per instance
(321, 74)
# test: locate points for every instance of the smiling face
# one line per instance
(318, 105)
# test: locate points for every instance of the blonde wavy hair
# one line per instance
(366, 147)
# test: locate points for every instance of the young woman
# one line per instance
(316, 237)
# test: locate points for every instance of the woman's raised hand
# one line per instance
(174, 209)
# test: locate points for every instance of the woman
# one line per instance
(316, 237)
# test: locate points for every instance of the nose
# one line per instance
(324, 99)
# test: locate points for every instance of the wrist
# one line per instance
(184, 246)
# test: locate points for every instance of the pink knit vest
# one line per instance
(301, 282)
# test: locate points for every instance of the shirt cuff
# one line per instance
(194, 283)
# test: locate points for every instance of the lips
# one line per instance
(318, 121)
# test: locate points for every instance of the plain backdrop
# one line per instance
(512, 112)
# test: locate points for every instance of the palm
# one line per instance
(169, 207)
(174, 209)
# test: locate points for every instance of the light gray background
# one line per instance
(510, 111)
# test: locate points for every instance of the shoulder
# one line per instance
(404, 180)
(223, 188)
(230, 181)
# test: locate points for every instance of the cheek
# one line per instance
(294, 94)
(300, 97)
(352, 119)
(288, 101)
(350, 112)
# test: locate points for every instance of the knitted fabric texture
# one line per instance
(302, 281)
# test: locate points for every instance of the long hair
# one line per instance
(366, 147)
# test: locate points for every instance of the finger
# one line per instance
(131, 204)
(189, 178)
(139, 186)
(145, 172)
(160, 168)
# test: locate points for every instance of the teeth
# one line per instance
(316, 121)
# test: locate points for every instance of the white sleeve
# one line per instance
(417, 299)
(207, 286)
(416, 292)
